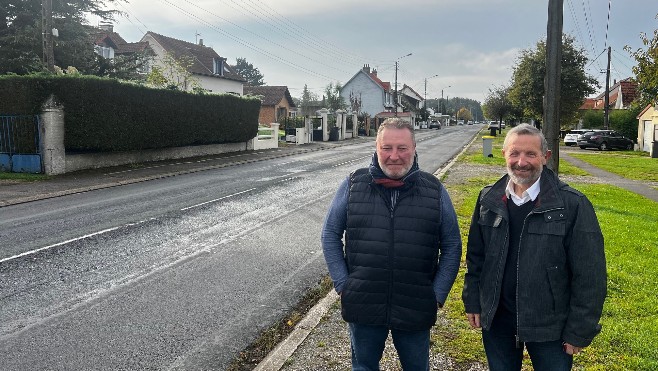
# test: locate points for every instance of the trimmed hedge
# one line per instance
(104, 114)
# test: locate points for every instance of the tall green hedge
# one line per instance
(104, 115)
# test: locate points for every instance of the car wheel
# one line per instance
(583, 147)
(603, 146)
(629, 146)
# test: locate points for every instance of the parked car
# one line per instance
(604, 140)
(493, 124)
(435, 125)
(571, 138)
(460, 122)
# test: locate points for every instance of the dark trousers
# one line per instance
(368, 343)
(503, 354)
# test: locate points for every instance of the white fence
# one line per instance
(267, 138)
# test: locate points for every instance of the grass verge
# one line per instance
(629, 164)
(23, 177)
(629, 339)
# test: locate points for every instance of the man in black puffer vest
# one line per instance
(401, 255)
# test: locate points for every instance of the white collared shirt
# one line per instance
(529, 194)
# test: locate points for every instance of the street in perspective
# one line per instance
(182, 272)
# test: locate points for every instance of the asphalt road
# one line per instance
(177, 273)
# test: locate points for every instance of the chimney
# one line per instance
(201, 42)
(366, 68)
(374, 72)
(106, 27)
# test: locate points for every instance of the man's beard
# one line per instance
(395, 174)
(529, 180)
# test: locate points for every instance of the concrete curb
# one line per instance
(278, 356)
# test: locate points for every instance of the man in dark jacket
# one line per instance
(402, 251)
(536, 274)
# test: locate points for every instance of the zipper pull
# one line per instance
(519, 344)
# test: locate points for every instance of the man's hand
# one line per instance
(570, 349)
(473, 319)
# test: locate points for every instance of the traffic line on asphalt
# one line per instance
(31, 252)
(217, 199)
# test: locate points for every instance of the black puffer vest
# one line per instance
(392, 253)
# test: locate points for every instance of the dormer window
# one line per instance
(218, 66)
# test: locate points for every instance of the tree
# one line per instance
(249, 72)
(464, 114)
(646, 71)
(20, 34)
(333, 99)
(174, 74)
(497, 104)
(527, 89)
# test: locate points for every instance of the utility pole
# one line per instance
(606, 98)
(425, 101)
(47, 34)
(395, 93)
(551, 117)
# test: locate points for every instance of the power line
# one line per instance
(264, 38)
(245, 43)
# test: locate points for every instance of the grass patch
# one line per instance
(270, 338)
(629, 339)
(629, 164)
(23, 177)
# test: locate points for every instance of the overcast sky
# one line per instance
(470, 45)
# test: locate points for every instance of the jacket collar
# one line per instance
(548, 198)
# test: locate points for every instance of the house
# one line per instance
(375, 95)
(647, 130)
(121, 57)
(276, 102)
(620, 96)
(109, 44)
(413, 100)
(207, 68)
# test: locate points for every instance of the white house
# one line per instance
(206, 66)
(375, 95)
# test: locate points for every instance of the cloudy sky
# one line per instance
(463, 47)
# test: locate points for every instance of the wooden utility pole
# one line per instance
(47, 34)
(551, 124)
(606, 98)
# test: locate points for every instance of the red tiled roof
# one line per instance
(272, 95)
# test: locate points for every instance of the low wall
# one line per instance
(77, 162)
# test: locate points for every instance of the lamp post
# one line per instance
(395, 93)
(444, 105)
(425, 101)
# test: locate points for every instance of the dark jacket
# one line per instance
(392, 247)
(561, 272)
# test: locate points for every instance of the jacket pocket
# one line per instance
(558, 282)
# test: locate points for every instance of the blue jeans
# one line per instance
(368, 343)
(503, 354)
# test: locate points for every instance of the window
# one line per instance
(218, 66)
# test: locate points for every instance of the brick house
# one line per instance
(276, 102)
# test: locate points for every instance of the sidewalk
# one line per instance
(15, 192)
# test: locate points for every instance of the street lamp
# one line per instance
(444, 105)
(395, 93)
(425, 101)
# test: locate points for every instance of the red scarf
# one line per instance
(389, 183)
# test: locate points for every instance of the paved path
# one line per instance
(614, 179)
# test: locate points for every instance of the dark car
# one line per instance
(435, 125)
(604, 140)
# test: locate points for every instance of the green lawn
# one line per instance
(629, 339)
(629, 164)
